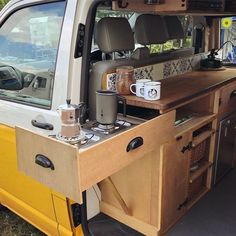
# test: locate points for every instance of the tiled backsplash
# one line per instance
(162, 70)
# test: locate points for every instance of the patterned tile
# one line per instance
(145, 72)
(162, 70)
(111, 82)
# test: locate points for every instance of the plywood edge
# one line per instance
(131, 221)
(20, 130)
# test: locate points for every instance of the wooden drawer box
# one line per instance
(228, 99)
(75, 170)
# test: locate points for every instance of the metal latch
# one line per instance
(188, 147)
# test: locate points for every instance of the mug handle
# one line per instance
(130, 88)
(122, 99)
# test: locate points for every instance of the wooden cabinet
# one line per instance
(227, 100)
(71, 170)
(175, 167)
(175, 6)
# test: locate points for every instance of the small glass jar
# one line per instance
(124, 79)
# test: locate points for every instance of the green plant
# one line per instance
(3, 3)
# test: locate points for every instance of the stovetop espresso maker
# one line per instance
(70, 126)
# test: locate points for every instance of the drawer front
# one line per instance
(228, 99)
(110, 156)
(76, 170)
(64, 177)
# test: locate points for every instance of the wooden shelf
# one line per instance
(197, 173)
(197, 197)
(201, 137)
(194, 123)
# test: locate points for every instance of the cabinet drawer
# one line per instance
(75, 170)
(228, 99)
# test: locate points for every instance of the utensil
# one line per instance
(70, 114)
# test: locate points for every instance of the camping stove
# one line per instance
(107, 129)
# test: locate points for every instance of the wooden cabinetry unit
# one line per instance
(175, 170)
(177, 5)
(227, 100)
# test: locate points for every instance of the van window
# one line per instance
(29, 41)
(228, 39)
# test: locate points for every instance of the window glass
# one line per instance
(228, 39)
(28, 48)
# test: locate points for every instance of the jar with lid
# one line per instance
(124, 78)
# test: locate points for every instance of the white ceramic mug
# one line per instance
(139, 87)
(152, 90)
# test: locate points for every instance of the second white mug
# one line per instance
(152, 91)
(139, 87)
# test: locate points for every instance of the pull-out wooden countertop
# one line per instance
(181, 88)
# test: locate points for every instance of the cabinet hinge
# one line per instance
(187, 148)
(183, 204)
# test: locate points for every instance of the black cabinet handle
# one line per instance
(40, 125)
(135, 143)
(187, 148)
(233, 94)
(43, 161)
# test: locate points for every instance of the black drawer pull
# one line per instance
(135, 143)
(233, 94)
(40, 125)
(43, 161)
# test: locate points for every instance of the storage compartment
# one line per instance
(174, 6)
(227, 100)
(70, 170)
(197, 187)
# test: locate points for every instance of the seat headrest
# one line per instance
(150, 29)
(174, 27)
(114, 34)
(141, 53)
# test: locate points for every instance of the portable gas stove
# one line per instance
(107, 129)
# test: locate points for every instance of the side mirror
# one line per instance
(10, 78)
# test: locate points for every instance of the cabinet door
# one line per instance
(175, 165)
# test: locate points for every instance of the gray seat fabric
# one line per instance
(114, 34)
(174, 27)
(175, 31)
(141, 53)
(150, 29)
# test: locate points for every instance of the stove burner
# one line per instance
(111, 128)
(106, 127)
(71, 140)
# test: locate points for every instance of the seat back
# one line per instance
(175, 31)
(113, 34)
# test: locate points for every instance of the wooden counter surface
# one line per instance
(179, 89)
